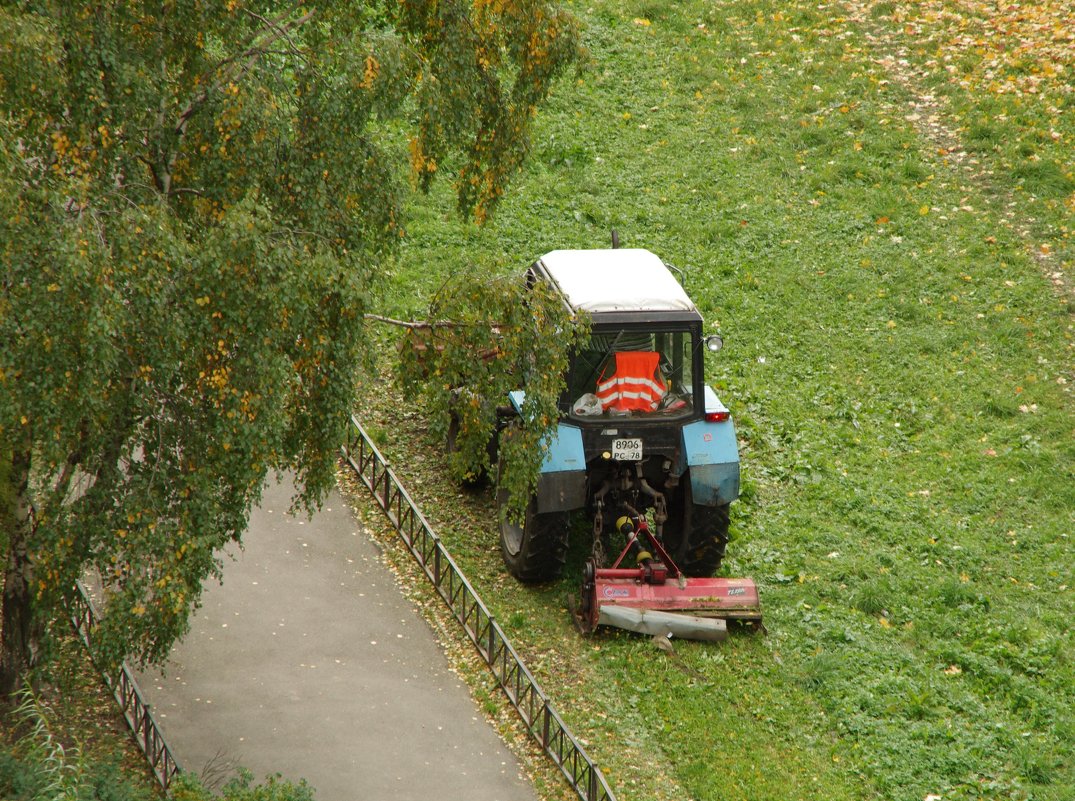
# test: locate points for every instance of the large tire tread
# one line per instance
(543, 548)
(708, 540)
(534, 548)
(696, 535)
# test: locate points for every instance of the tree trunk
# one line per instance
(21, 633)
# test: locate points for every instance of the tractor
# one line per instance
(643, 448)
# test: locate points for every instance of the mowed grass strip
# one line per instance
(900, 373)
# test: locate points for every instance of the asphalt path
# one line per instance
(309, 662)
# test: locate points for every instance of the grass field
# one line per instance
(885, 245)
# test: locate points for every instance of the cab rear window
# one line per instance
(631, 373)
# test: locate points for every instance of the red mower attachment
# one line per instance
(656, 598)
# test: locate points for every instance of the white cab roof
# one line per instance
(619, 280)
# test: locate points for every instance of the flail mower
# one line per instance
(654, 597)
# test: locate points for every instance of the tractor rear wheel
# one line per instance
(534, 547)
(695, 535)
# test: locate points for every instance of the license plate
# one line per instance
(627, 450)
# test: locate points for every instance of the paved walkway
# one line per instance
(309, 662)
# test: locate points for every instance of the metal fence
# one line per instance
(124, 688)
(518, 684)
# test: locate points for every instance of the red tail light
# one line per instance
(717, 417)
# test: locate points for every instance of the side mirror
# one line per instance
(714, 342)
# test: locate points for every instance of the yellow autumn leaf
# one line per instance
(373, 67)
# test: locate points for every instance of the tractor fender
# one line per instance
(561, 483)
(711, 455)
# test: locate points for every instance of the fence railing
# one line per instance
(136, 711)
(522, 690)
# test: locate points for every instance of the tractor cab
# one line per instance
(644, 358)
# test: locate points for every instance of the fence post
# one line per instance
(147, 731)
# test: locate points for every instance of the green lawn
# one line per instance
(900, 371)
(1005, 73)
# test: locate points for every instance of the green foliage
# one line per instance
(195, 201)
(41, 768)
(495, 335)
(26, 774)
(62, 771)
(48, 763)
(241, 788)
(17, 780)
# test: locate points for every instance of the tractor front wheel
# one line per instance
(534, 546)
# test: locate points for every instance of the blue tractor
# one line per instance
(642, 444)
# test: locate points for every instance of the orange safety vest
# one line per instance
(635, 384)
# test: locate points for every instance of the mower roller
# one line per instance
(656, 598)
